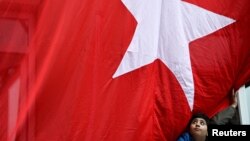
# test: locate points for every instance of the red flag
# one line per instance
(58, 59)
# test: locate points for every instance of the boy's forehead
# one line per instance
(199, 119)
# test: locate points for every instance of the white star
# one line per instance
(164, 30)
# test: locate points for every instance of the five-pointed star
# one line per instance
(164, 30)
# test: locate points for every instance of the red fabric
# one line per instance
(71, 48)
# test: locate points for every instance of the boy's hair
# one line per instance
(199, 115)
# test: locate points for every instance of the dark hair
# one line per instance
(199, 115)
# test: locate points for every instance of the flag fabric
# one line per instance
(109, 70)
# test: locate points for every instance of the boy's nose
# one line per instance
(197, 125)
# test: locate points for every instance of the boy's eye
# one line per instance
(203, 123)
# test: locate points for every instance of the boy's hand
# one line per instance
(234, 99)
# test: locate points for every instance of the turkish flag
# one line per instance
(56, 81)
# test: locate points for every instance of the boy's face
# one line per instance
(198, 127)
